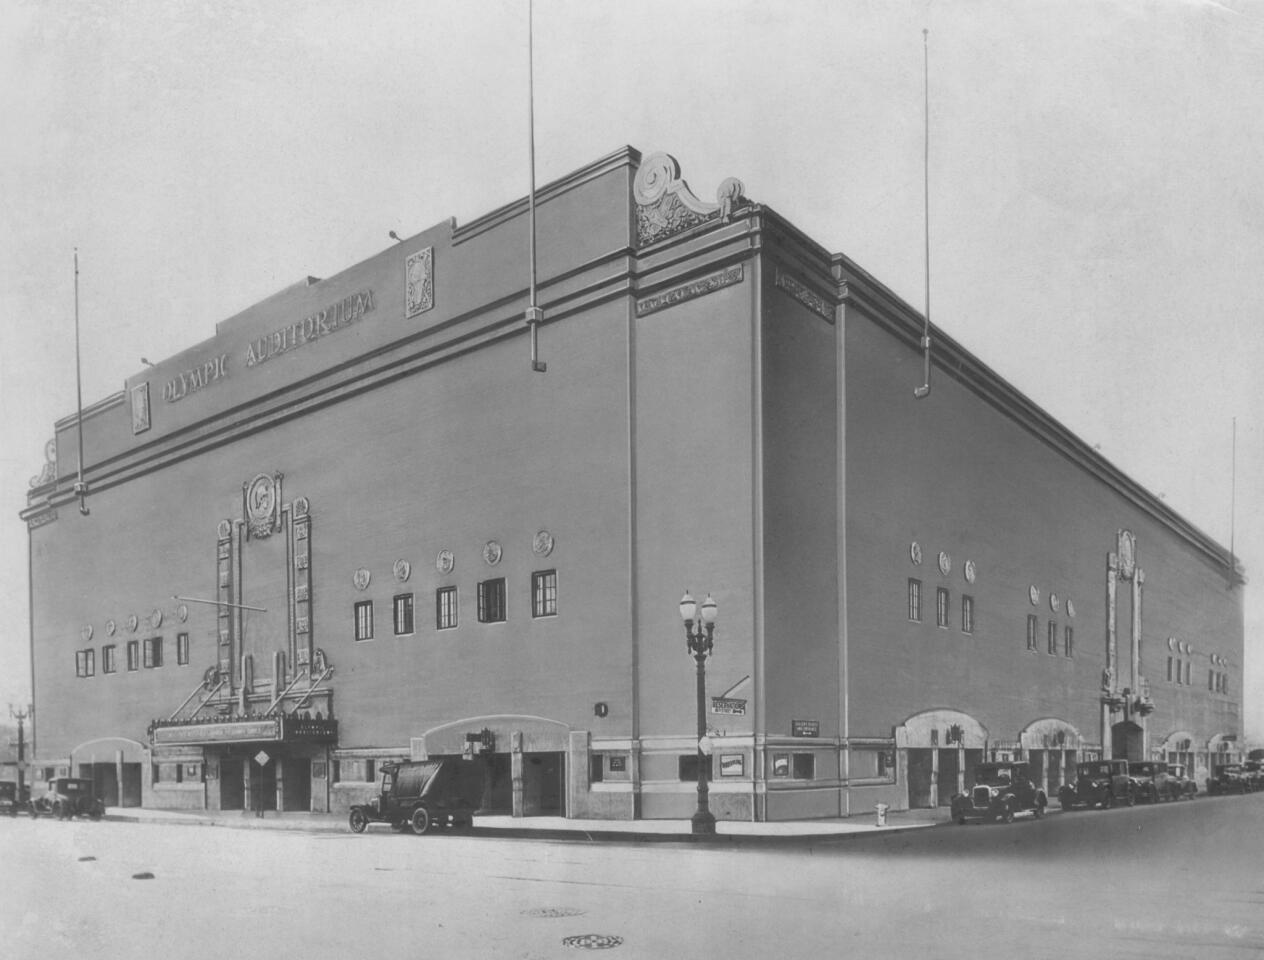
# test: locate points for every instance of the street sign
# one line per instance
(805, 728)
(731, 706)
(262, 758)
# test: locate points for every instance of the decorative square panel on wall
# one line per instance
(419, 281)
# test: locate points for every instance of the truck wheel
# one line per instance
(420, 821)
(357, 821)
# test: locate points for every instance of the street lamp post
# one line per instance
(699, 641)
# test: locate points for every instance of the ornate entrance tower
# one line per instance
(1125, 737)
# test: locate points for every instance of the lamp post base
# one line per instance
(703, 824)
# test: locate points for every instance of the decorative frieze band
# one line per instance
(688, 291)
(805, 295)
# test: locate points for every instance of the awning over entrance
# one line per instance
(289, 729)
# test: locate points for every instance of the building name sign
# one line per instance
(332, 318)
(736, 708)
(220, 732)
(805, 728)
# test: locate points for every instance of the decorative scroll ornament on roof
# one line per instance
(49, 473)
(665, 206)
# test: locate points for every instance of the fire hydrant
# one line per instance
(882, 809)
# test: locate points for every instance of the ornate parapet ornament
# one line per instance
(49, 473)
(665, 206)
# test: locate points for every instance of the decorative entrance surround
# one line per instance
(937, 730)
(1132, 699)
(1052, 738)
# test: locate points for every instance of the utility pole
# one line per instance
(20, 716)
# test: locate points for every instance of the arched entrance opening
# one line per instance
(1052, 747)
(1127, 741)
(938, 751)
(115, 765)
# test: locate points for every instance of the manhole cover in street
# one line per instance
(592, 941)
(554, 912)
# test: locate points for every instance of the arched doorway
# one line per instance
(115, 765)
(1127, 741)
(1052, 747)
(938, 750)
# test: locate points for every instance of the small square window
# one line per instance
(133, 654)
(1032, 627)
(915, 600)
(364, 620)
(182, 649)
(108, 664)
(491, 601)
(544, 593)
(967, 614)
(805, 766)
(403, 614)
(445, 608)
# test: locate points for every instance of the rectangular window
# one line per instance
(182, 649)
(596, 767)
(403, 614)
(1178, 671)
(1031, 631)
(915, 601)
(687, 767)
(1169, 669)
(1211, 680)
(1068, 642)
(108, 664)
(1053, 638)
(941, 607)
(967, 614)
(152, 649)
(364, 620)
(804, 766)
(491, 601)
(445, 608)
(85, 663)
(544, 593)
(133, 654)
(1189, 668)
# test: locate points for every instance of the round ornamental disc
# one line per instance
(915, 552)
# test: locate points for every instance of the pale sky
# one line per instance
(1096, 171)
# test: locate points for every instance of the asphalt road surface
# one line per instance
(1181, 879)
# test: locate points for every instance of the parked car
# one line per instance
(423, 794)
(68, 797)
(1098, 783)
(10, 802)
(1151, 781)
(1000, 791)
(1253, 770)
(1187, 787)
(1230, 778)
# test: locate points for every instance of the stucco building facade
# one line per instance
(356, 525)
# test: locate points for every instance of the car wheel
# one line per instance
(1039, 811)
(1007, 815)
(357, 821)
(420, 821)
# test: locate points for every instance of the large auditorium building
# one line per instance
(357, 524)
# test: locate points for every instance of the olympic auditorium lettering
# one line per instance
(332, 318)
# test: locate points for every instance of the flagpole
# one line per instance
(534, 314)
(81, 488)
(1233, 502)
(924, 390)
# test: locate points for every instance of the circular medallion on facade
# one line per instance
(403, 570)
(86, 632)
(491, 553)
(155, 618)
(1033, 594)
(1171, 643)
(361, 578)
(132, 622)
(945, 563)
(969, 571)
(301, 507)
(261, 498)
(225, 529)
(182, 612)
(444, 561)
(1070, 608)
(110, 628)
(542, 545)
(915, 552)
(1053, 602)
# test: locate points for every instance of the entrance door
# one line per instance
(130, 788)
(298, 783)
(263, 784)
(973, 759)
(105, 783)
(920, 765)
(232, 785)
(947, 776)
(498, 786)
(1127, 741)
(542, 785)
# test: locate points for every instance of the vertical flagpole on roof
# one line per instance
(534, 315)
(1233, 502)
(924, 390)
(81, 488)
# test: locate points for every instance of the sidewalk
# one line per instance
(560, 828)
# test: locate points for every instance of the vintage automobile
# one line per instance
(10, 803)
(1098, 783)
(423, 794)
(1230, 778)
(1253, 770)
(1152, 782)
(1187, 787)
(1000, 791)
(68, 797)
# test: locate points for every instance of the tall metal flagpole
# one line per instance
(81, 488)
(924, 390)
(1233, 502)
(534, 315)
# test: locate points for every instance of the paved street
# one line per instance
(1176, 880)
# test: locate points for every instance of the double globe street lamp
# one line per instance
(699, 641)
